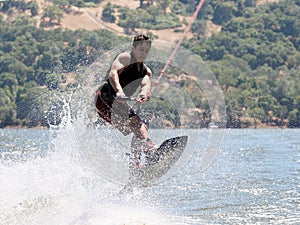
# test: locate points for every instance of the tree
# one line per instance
(108, 13)
(205, 12)
(32, 106)
(294, 118)
(199, 28)
(141, 4)
(34, 9)
(53, 81)
(130, 20)
(8, 80)
(163, 4)
(52, 13)
(250, 3)
(47, 61)
(153, 12)
(5, 61)
(62, 4)
(8, 117)
(223, 12)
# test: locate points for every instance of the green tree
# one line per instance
(164, 4)
(8, 80)
(32, 106)
(53, 81)
(223, 12)
(47, 61)
(199, 28)
(130, 20)
(34, 9)
(294, 118)
(52, 14)
(154, 13)
(250, 3)
(108, 13)
(141, 4)
(62, 4)
(7, 116)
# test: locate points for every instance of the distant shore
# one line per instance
(243, 122)
(241, 126)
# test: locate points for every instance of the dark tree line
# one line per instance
(34, 61)
(256, 58)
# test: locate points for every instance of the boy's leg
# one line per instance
(140, 142)
(122, 117)
(136, 152)
(102, 107)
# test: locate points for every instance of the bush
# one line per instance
(108, 13)
(152, 18)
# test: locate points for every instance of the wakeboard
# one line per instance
(158, 163)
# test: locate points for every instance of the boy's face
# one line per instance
(141, 51)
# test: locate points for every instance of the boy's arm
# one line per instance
(117, 66)
(145, 87)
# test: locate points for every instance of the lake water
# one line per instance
(45, 178)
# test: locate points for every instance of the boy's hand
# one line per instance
(142, 98)
(120, 94)
(121, 97)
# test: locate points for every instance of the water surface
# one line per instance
(45, 179)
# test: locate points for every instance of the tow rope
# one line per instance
(170, 59)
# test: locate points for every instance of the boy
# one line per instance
(126, 74)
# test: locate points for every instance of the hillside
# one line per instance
(253, 51)
(89, 18)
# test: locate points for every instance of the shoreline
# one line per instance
(241, 128)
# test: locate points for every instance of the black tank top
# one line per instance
(130, 78)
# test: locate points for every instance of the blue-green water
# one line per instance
(46, 179)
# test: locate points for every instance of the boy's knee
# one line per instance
(144, 127)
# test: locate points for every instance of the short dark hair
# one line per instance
(140, 39)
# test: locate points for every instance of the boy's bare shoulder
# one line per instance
(124, 58)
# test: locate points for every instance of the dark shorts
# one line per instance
(119, 114)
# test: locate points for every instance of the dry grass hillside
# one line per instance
(89, 18)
